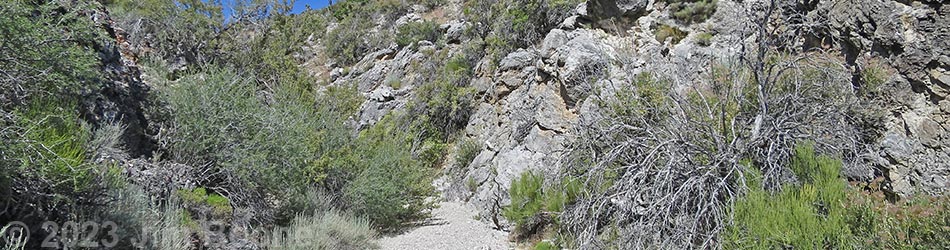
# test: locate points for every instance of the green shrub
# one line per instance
(417, 31)
(444, 105)
(544, 245)
(219, 119)
(691, 11)
(515, 24)
(526, 198)
(274, 57)
(823, 213)
(388, 185)
(916, 223)
(646, 97)
(220, 205)
(139, 216)
(186, 30)
(346, 42)
(328, 230)
(530, 197)
(809, 216)
(47, 50)
(704, 39)
(467, 151)
(669, 32)
(874, 76)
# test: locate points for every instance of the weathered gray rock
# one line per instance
(408, 18)
(553, 40)
(382, 94)
(929, 133)
(914, 39)
(455, 31)
(581, 61)
(604, 9)
(517, 60)
(570, 23)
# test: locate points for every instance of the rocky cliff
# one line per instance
(531, 104)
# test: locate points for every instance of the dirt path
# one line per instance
(452, 226)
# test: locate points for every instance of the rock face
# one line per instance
(532, 102)
(915, 39)
(601, 9)
(123, 94)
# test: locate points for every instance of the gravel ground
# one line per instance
(452, 226)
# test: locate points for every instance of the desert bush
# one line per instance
(220, 121)
(46, 163)
(390, 185)
(823, 212)
(47, 49)
(444, 105)
(325, 230)
(274, 48)
(664, 32)
(690, 185)
(153, 222)
(531, 197)
(544, 245)
(199, 198)
(691, 11)
(526, 198)
(880, 223)
(704, 39)
(176, 31)
(352, 39)
(466, 152)
(417, 31)
(515, 24)
(808, 216)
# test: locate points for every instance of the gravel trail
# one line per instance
(451, 227)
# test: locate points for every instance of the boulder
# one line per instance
(455, 31)
(382, 94)
(580, 62)
(517, 60)
(553, 40)
(607, 9)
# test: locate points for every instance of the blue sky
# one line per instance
(299, 5)
(315, 4)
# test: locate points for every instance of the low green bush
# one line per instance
(809, 216)
(151, 224)
(916, 223)
(417, 31)
(467, 151)
(220, 120)
(54, 145)
(329, 230)
(515, 24)
(188, 30)
(220, 205)
(704, 39)
(445, 104)
(675, 35)
(47, 50)
(873, 77)
(823, 213)
(526, 198)
(348, 42)
(529, 197)
(390, 185)
(691, 11)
